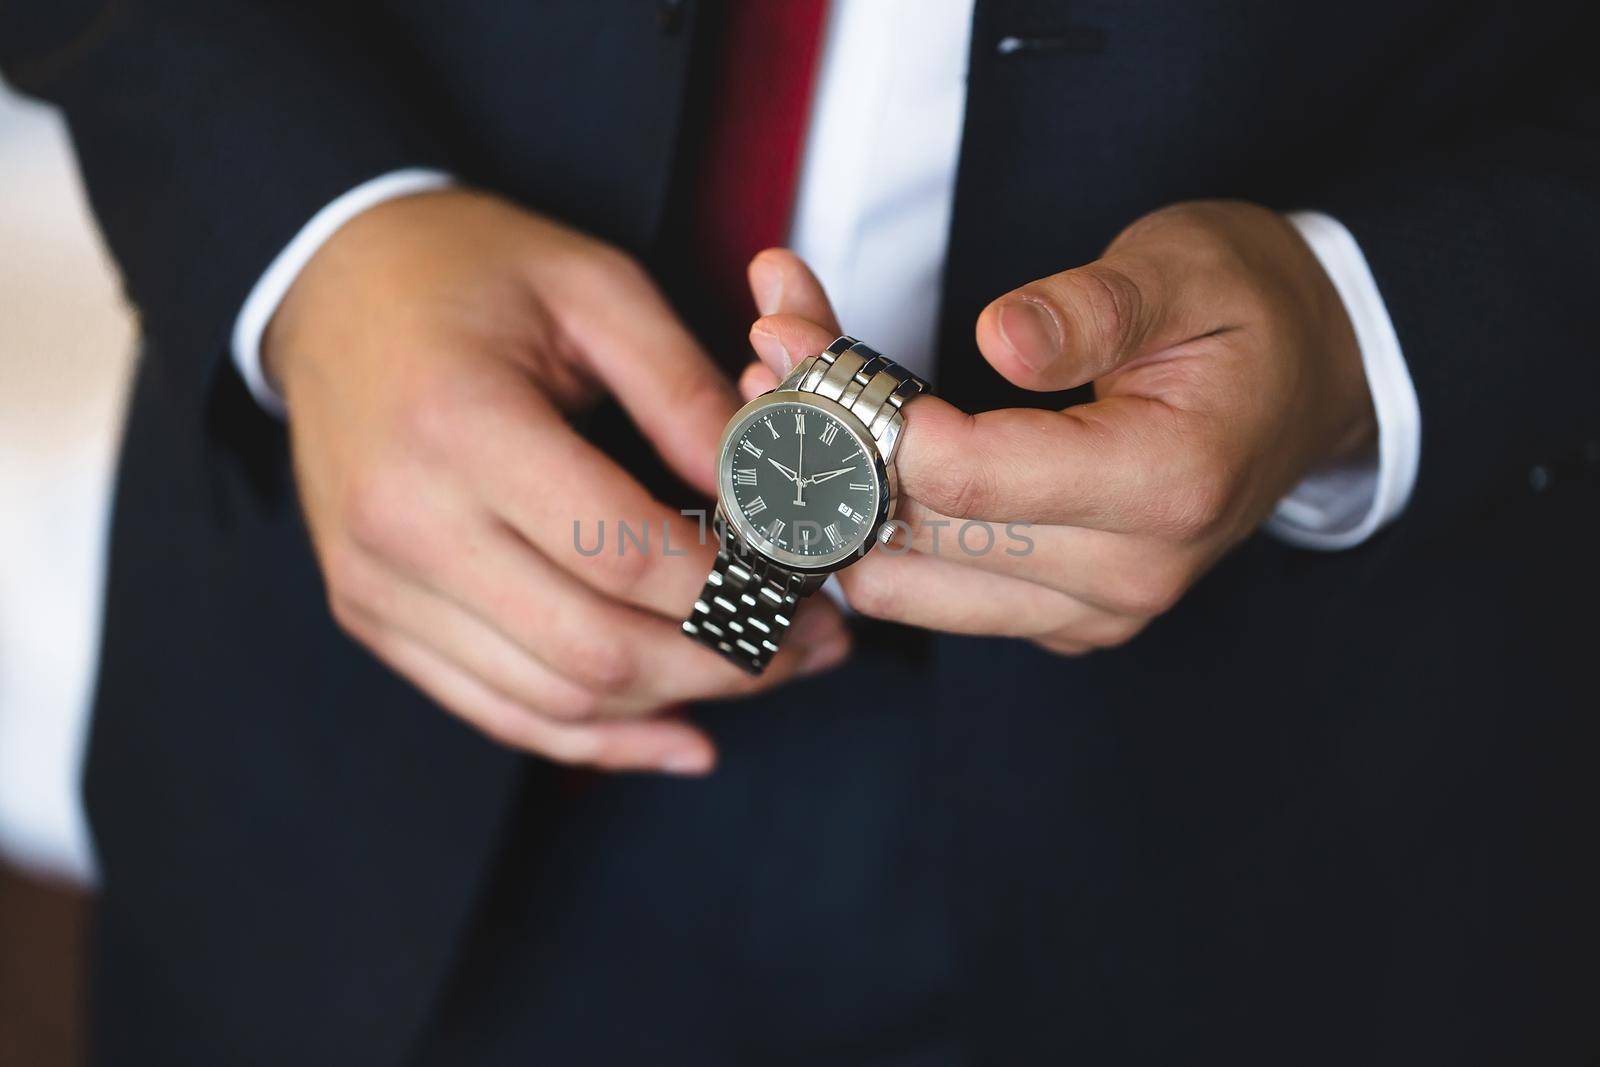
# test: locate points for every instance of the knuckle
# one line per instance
(1062, 646)
(1119, 633)
(1188, 224)
(574, 703)
(1183, 215)
(1150, 591)
(1110, 301)
(1185, 516)
(519, 729)
(603, 667)
(734, 682)
(500, 732)
(1201, 505)
(614, 753)
(556, 745)
(375, 509)
(610, 266)
(570, 746)
(427, 423)
(346, 615)
(349, 589)
(697, 387)
(1216, 239)
(618, 572)
(343, 573)
(870, 593)
(961, 490)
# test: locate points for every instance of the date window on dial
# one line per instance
(850, 513)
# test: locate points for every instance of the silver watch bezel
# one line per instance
(883, 473)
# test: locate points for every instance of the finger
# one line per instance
(583, 511)
(635, 660)
(560, 616)
(757, 379)
(1125, 575)
(783, 340)
(935, 594)
(1079, 325)
(476, 648)
(1062, 646)
(1125, 464)
(634, 343)
(624, 651)
(782, 284)
(669, 745)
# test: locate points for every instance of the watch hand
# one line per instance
(800, 466)
(787, 473)
(825, 475)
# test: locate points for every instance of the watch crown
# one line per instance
(886, 534)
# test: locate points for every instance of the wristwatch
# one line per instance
(805, 487)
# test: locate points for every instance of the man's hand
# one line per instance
(429, 355)
(1224, 368)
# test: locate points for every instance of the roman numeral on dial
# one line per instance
(800, 422)
(832, 532)
(744, 476)
(755, 507)
(775, 531)
(750, 448)
(830, 433)
(771, 428)
(860, 487)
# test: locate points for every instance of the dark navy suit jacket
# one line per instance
(1333, 808)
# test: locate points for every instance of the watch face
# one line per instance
(800, 483)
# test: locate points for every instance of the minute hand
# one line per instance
(825, 475)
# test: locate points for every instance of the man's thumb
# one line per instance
(1076, 326)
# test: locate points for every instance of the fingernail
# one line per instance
(687, 762)
(766, 285)
(771, 350)
(826, 656)
(1030, 330)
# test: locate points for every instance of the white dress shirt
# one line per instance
(891, 95)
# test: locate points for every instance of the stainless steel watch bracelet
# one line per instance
(749, 601)
(747, 604)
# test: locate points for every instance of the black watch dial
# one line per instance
(802, 481)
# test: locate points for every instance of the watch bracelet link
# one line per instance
(868, 384)
(748, 601)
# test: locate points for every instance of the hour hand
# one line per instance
(825, 475)
(787, 473)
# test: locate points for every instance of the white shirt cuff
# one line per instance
(274, 283)
(1341, 506)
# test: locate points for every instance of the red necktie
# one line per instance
(767, 62)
